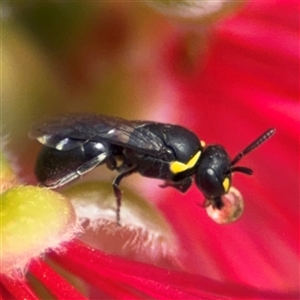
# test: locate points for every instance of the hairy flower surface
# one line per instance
(32, 221)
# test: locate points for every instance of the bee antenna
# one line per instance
(261, 139)
(244, 170)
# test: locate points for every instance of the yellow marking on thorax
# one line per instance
(177, 167)
(202, 143)
(226, 184)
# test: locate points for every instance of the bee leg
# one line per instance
(91, 164)
(182, 185)
(55, 168)
(85, 168)
(117, 191)
(111, 163)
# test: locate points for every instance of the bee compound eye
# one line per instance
(209, 183)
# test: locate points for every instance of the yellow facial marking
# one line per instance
(226, 184)
(202, 144)
(177, 167)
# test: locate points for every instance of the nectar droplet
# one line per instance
(232, 209)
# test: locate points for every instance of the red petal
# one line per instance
(57, 285)
(97, 267)
(18, 289)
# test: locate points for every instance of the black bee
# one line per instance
(76, 144)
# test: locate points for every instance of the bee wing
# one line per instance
(65, 132)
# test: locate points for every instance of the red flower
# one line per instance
(117, 278)
(247, 83)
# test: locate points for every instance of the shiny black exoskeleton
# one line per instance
(75, 144)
